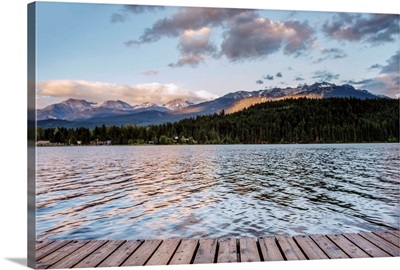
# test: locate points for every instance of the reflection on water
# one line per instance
(125, 192)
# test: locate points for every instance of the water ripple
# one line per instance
(215, 191)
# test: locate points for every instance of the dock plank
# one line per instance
(312, 250)
(206, 251)
(248, 250)
(115, 253)
(366, 245)
(383, 244)
(227, 252)
(164, 252)
(185, 252)
(269, 249)
(329, 248)
(99, 255)
(41, 244)
(75, 257)
(43, 252)
(348, 247)
(59, 254)
(391, 238)
(289, 248)
(395, 232)
(143, 253)
(121, 254)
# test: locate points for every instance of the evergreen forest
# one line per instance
(332, 120)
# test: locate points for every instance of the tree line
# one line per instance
(332, 120)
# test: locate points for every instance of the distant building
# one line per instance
(43, 143)
(97, 142)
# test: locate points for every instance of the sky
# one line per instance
(139, 53)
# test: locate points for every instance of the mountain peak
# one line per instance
(177, 104)
(116, 104)
(77, 102)
(145, 105)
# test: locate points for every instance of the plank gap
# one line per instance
(127, 257)
(87, 255)
(154, 251)
(280, 249)
(173, 253)
(216, 252)
(357, 245)
(195, 252)
(76, 244)
(387, 237)
(344, 251)
(106, 257)
(238, 250)
(259, 250)
(383, 245)
(320, 247)
(301, 249)
(42, 244)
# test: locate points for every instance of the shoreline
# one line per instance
(347, 143)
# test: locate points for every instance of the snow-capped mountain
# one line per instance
(177, 104)
(76, 109)
(115, 104)
(148, 106)
(63, 109)
(117, 112)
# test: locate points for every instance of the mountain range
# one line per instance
(76, 113)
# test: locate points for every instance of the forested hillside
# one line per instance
(332, 120)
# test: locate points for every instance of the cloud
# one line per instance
(150, 72)
(184, 19)
(245, 35)
(375, 66)
(196, 41)
(388, 80)
(299, 79)
(59, 90)
(249, 36)
(386, 84)
(279, 75)
(194, 45)
(137, 9)
(325, 76)
(118, 18)
(268, 77)
(359, 82)
(259, 82)
(123, 15)
(188, 60)
(374, 28)
(332, 53)
(299, 37)
(392, 66)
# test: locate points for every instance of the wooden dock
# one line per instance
(112, 253)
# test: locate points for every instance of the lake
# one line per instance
(196, 191)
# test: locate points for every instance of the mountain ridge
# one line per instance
(118, 111)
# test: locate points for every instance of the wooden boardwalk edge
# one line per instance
(113, 253)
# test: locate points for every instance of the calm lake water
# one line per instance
(141, 192)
